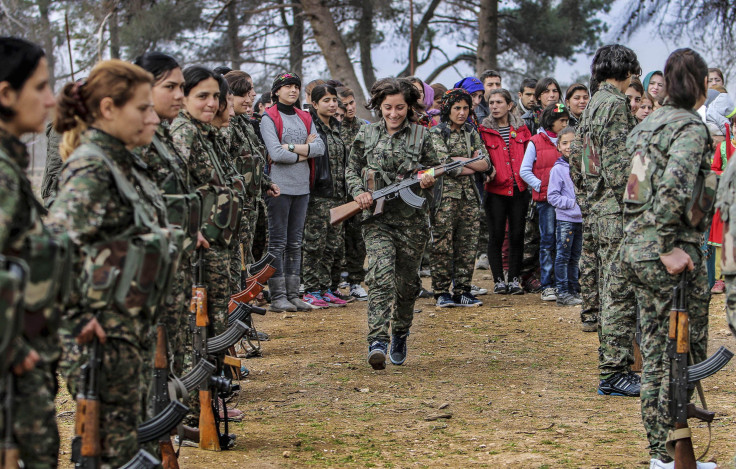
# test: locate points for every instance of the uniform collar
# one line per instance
(611, 89)
(14, 148)
(203, 127)
(404, 126)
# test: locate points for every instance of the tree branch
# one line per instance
(450, 63)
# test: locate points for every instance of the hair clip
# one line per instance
(560, 108)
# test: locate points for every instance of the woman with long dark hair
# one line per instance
(663, 235)
(381, 153)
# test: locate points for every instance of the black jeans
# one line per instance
(286, 214)
(499, 210)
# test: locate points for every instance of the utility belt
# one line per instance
(220, 214)
(185, 211)
(132, 272)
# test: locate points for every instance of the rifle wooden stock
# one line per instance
(161, 358)
(208, 438)
(9, 458)
(637, 365)
(248, 294)
(168, 455)
(88, 427)
(342, 212)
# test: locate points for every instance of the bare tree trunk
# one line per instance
(333, 49)
(296, 42)
(234, 44)
(48, 39)
(365, 39)
(114, 35)
(486, 55)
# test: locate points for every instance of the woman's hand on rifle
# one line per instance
(364, 200)
(427, 181)
(91, 330)
(202, 241)
(676, 261)
(28, 363)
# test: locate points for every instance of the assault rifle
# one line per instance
(258, 273)
(86, 447)
(168, 413)
(400, 188)
(679, 441)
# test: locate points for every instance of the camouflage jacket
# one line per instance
(50, 181)
(193, 140)
(18, 217)
(167, 168)
(600, 169)
(336, 154)
(451, 144)
(383, 163)
(91, 209)
(349, 129)
(248, 154)
(671, 150)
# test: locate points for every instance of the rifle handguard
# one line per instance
(163, 423)
(142, 460)
(228, 338)
(710, 365)
(197, 375)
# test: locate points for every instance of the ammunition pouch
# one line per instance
(185, 211)
(220, 214)
(13, 275)
(251, 168)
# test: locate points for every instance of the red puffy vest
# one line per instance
(547, 154)
(506, 159)
(275, 115)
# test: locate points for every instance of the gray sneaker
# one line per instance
(358, 292)
(549, 294)
(566, 299)
(482, 263)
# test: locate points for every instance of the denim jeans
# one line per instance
(286, 214)
(546, 243)
(569, 247)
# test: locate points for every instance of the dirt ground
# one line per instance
(509, 384)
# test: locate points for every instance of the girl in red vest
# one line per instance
(540, 156)
(505, 137)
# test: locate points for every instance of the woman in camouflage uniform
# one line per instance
(381, 153)
(25, 100)
(110, 208)
(671, 151)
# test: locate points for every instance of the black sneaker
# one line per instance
(377, 354)
(590, 326)
(635, 376)
(514, 287)
(445, 301)
(620, 384)
(398, 348)
(466, 299)
(500, 288)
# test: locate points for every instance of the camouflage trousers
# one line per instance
(354, 251)
(617, 317)
(589, 270)
(34, 415)
(217, 278)
(120, 399)
(175, 315)
(236, 264)
(323, 246)
(394, 254)
(248, 231)
(653, 286)
(454, 236)
(532, 240)
(731, 302)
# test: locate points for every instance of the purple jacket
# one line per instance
(561, 193)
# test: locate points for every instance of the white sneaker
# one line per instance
(482, 262)
(549, 294)
(358, 292)
(476, 290)
(657, 464)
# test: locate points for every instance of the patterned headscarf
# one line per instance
(450, 98)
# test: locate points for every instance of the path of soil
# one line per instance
(509, 384)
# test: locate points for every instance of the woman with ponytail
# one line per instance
(111, 210)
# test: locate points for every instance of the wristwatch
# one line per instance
(291, 147)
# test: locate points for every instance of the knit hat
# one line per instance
(470, 84)
(450, 98)
(284, 79)
(720, 111)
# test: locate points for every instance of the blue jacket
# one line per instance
(561, 193)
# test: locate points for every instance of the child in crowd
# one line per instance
(539, 157)
(646, 106)
(561, 195)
